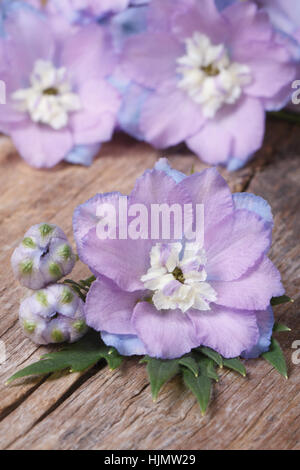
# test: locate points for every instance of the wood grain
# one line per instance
(101, 409)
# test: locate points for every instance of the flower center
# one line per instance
(177, 277)
(51, 91)
(50, 98)
(208, 75)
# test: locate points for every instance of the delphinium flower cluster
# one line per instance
(76, 71)
(184, 302)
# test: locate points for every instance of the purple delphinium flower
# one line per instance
(58, 97)
(165, 298)
(53, 315)
(206, 72)
(44, 256)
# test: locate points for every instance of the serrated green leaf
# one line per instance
(190, 363)
(279, 328)
(160, 372)
(200, 386)
(276, 358)
(236, 365)
(283, 299)
(212, 355)
(76, 357)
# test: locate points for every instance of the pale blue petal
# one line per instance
(265, 321)
(254, 204)
(127, 345)
(163, 165)
(235, 164)
(83, 154)
(221, 4)
(127, 23)
(134, 98)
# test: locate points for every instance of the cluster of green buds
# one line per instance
(54, 313)
(43, 257)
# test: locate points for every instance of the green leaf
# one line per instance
(279, 328)
(283, 299)
(285, 116)
(211, 372)
(212, 355)
(200, 386)
(160, 372)
(276, 358)
(76, 357)
(236, 365)
(190, 363)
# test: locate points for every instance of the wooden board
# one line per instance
(100, 409)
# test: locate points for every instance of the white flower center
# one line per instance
(208, 75)
(49, 99)
(177, 277)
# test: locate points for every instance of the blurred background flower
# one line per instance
(58, 98)
(130, 64)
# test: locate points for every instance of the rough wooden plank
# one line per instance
(91, 412)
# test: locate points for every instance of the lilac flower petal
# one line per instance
(88, 54)
(35, 144)
(227, 331)
(127, 345)
(265, 322)
(150, 59)
(108, 308)
(96, 120)
(210, 189)
(240, 136)
(122, 260)
(254, 204)
(29, 38)
(211, 23)
(247, 25)
(126, 260)
(235, 245)
(159, 122)
(166, 334)
(85, 217)
(270, 67)
(284, 14)
(157, 187)
(253, 291)
(161, 14)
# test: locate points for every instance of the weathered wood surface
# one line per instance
(100, 409)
